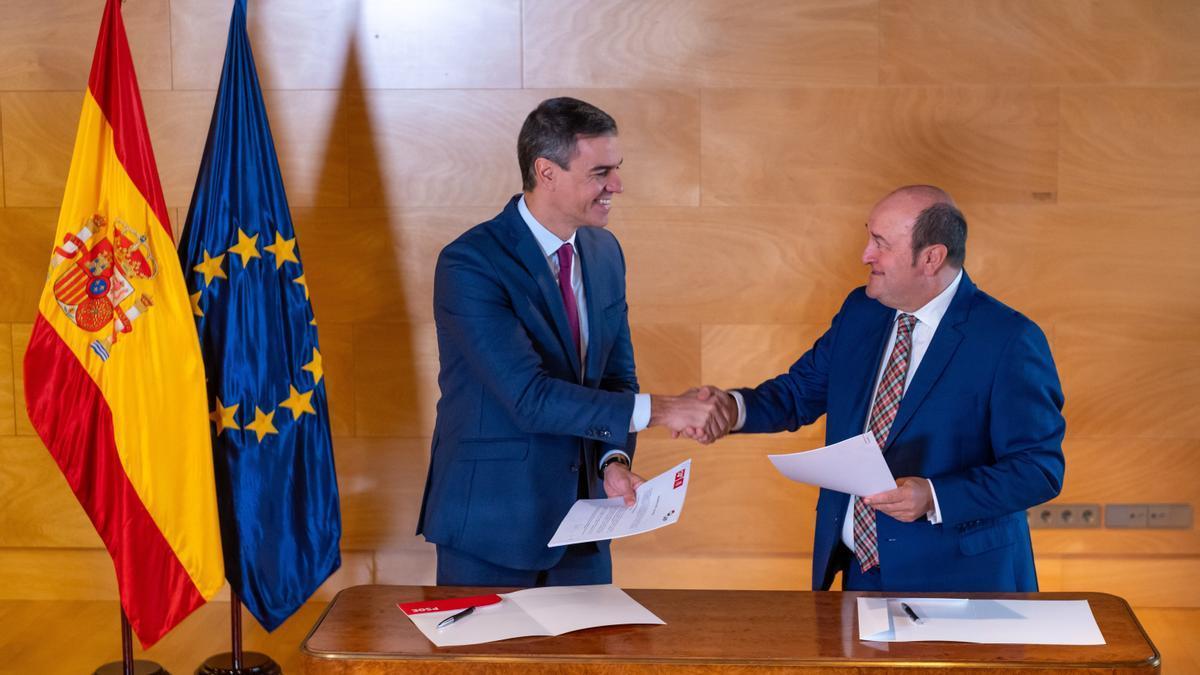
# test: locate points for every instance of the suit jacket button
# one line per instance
(574, 468)
(604, 433)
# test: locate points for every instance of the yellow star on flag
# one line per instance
(315, 367)
(196, 304)
(284, 250)
(223, 417)
(246, 246)
(299, 403)
(300, 280)
(211, 268)
(263, 424)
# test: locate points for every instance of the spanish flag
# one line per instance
(114, 381)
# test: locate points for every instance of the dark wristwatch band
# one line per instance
(621, 459)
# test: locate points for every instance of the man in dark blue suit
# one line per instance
(959, 390)
(540, 402)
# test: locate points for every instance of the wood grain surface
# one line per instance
(756, 137)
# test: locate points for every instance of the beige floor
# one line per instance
(91, 632)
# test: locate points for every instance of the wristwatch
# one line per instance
(618, 458)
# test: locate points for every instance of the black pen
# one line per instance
(455, 617)
(907, 610)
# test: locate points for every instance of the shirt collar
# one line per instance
(933, 311)
(547, 240)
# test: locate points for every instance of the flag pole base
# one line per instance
(139, 668)
(253, 663)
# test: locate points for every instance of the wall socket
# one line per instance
(1155, 516)
(1065, 516)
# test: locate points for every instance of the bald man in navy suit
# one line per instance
(961, 394)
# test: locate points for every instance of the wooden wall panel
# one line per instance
(91, 625)
(756, 139)
(1139, 145)
(57, 574)
(848, 145)
(20, 342)
(1015, 253)
(729, 571)
(416, 567)
(395, 371)
(732, 484)
(1103, 542)
(310, 124)
(1143, 581)
(1128, 468)
(1027, 41)
(337, 357)
(41, 129)
(27, 239)
(71, 574)
(1, 151)
(1174, 634)
(667, 357)
(380, 482)
(48, 44)
(313, 127)
(376, 265)
(39, 132)
(8, 390)
(746, 355)
(39, 509)
(472, 135)
(387, 44)
(762, 43)
(745, 265)
(1131, 381)
(178, 125)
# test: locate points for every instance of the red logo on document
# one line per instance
(679, 478)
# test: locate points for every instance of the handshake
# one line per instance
(704, 414)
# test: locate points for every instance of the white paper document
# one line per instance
(659, 503)
(1030, 622)
(854, 466)
(552, 610)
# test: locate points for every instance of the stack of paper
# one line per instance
(1031, 622)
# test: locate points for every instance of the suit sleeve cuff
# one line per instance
(935, 514)
(641, 413)
(741, 405)
(610, 453)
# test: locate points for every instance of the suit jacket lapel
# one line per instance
(534, 261)
(596, 330)
(866, 359)
(937, 357)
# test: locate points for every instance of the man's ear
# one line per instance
(546, 172)
(932, 258)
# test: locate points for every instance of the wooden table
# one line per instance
(726, 632)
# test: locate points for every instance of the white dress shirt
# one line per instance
(550, 243)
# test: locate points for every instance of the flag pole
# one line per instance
(235, 625)
(127, 665)
(236, 661)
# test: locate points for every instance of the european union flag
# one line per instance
(276, 485)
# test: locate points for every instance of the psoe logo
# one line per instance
(106, 265)
(679, 478)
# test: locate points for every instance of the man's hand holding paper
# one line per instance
(659, 503)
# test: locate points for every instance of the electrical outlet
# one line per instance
(1064, 516)
(1173, 516)
(1126, 515)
